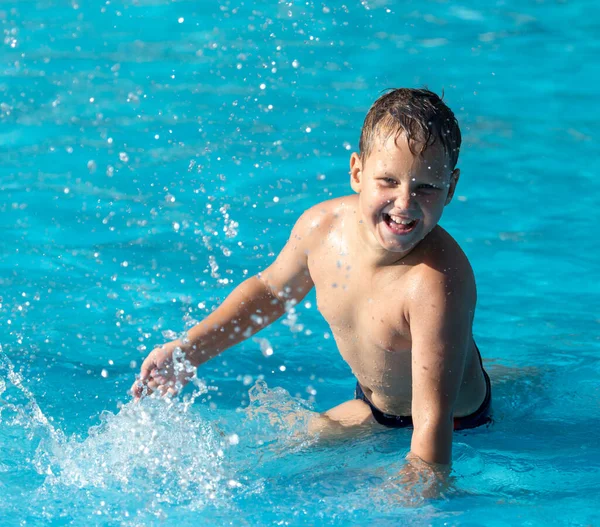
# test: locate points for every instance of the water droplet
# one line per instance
(265, 346)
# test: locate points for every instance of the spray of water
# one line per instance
(160, 451)
(276, 412)
(18, 407)
(157, 448)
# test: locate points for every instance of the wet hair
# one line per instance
(419, 114)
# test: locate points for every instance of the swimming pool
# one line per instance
(156, 153)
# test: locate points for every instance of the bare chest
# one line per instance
(364, 311)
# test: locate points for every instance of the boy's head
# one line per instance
(418, 114)
(405, 171)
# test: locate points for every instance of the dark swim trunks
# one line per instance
(479, 417)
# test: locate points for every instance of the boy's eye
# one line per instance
(388, 180)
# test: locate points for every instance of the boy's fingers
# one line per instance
(147, 366)
(139, 387)
(135, 389)
(156, 372)
(166, 391)
(145, 379)
(159, 376)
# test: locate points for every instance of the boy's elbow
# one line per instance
(262, 281)
(271, 304)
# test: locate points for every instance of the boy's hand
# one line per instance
(421, 480)
(166, 370)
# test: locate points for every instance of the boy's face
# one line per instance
(401, 196)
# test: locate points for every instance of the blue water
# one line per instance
(155, 153)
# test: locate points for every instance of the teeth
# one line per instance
(401, 221)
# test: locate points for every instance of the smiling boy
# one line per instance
(395, 288)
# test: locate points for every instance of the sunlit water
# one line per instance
(155, 153)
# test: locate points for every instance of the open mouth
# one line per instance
(399, 225)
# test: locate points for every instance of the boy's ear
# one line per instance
(355, 172)
(453, 181)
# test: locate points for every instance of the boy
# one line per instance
(396, 289)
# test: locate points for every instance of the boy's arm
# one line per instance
(258, 301)
(251, 306)
(440, 316)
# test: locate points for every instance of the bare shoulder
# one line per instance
(442, 269)
(322, 217)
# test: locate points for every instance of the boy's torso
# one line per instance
(365, 307)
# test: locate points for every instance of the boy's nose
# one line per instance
(404, 199)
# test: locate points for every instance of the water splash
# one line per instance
(160, 453)
(160, 448)
(18, 407)
(275, 413)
